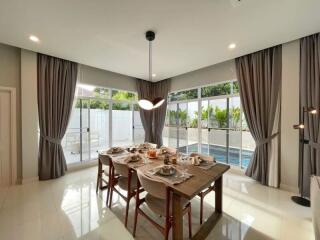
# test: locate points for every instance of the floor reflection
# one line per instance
(69, 209)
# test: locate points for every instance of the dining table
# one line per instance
(190, 188)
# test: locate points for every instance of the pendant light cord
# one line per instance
(150, 61)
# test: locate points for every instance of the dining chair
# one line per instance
(126, 179)
(211, 188)
(104, 168)
(152, 145)
(171, 150)
(158, 199)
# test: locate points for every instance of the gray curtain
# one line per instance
(56, 88)
(144, 89)
(161, 89)
(310, 97)
(153, 120)
(259, 76)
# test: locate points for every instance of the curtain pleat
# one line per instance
(56, 82)
(259, 76)
(310, 97)
(153, 120)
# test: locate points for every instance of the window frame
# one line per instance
(200, 99)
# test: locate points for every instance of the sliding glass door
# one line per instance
(101, 118)
(181, 126)
(99, 126)
(209, 119)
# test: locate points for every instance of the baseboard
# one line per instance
(30, 180)
(289, 188)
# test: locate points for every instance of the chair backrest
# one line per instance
(152, 145)
(155, 188)
(171, 150)
(204, 157)
(121, 168)
(104, 159)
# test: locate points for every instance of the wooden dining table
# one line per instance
(200, 180)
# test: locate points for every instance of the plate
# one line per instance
(137, 159)
(167, 173)
(115, 150)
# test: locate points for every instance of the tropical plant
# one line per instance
(221, 116)
(235, 117)
(183, 115)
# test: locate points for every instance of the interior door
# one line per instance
(5, 139)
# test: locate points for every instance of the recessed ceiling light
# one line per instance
(232, 46)
(154, 75)
(34, 38)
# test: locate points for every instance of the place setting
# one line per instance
(173, 170)
(201, 161)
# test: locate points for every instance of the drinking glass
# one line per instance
(183, 161)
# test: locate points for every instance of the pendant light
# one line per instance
(149, 104)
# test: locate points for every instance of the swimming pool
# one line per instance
(220, 153)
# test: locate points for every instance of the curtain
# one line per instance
(259, 76)
(153, 120)
(310, 97)
(144, 89)
(56, 88)
(161, 89)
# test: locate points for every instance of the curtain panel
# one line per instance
(259, 76)
(310, 97)
(56, 80)
(153, 120)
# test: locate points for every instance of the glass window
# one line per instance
(121, 124)
(184, 95)
(85, 90)
(124, 95)
(222, 131)
(220, 89)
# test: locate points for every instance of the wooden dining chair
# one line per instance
(104, 174)
(211, 188)
(158, 199)
(126, 179)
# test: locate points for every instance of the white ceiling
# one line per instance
(190, 34)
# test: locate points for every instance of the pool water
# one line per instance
(220, 153)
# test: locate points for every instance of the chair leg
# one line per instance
(135, 220)
(201, 208)
(98, 178)
(108, 186)
(127, 212)
(111, 190)
(190, 222)
(167, 227)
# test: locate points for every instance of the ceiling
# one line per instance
(190, 34)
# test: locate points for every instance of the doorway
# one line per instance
(8, 154)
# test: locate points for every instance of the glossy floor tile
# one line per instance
(68, 208)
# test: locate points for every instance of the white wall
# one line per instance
(103, 78)
(29, 115)
(290, 116)
(221, 72)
